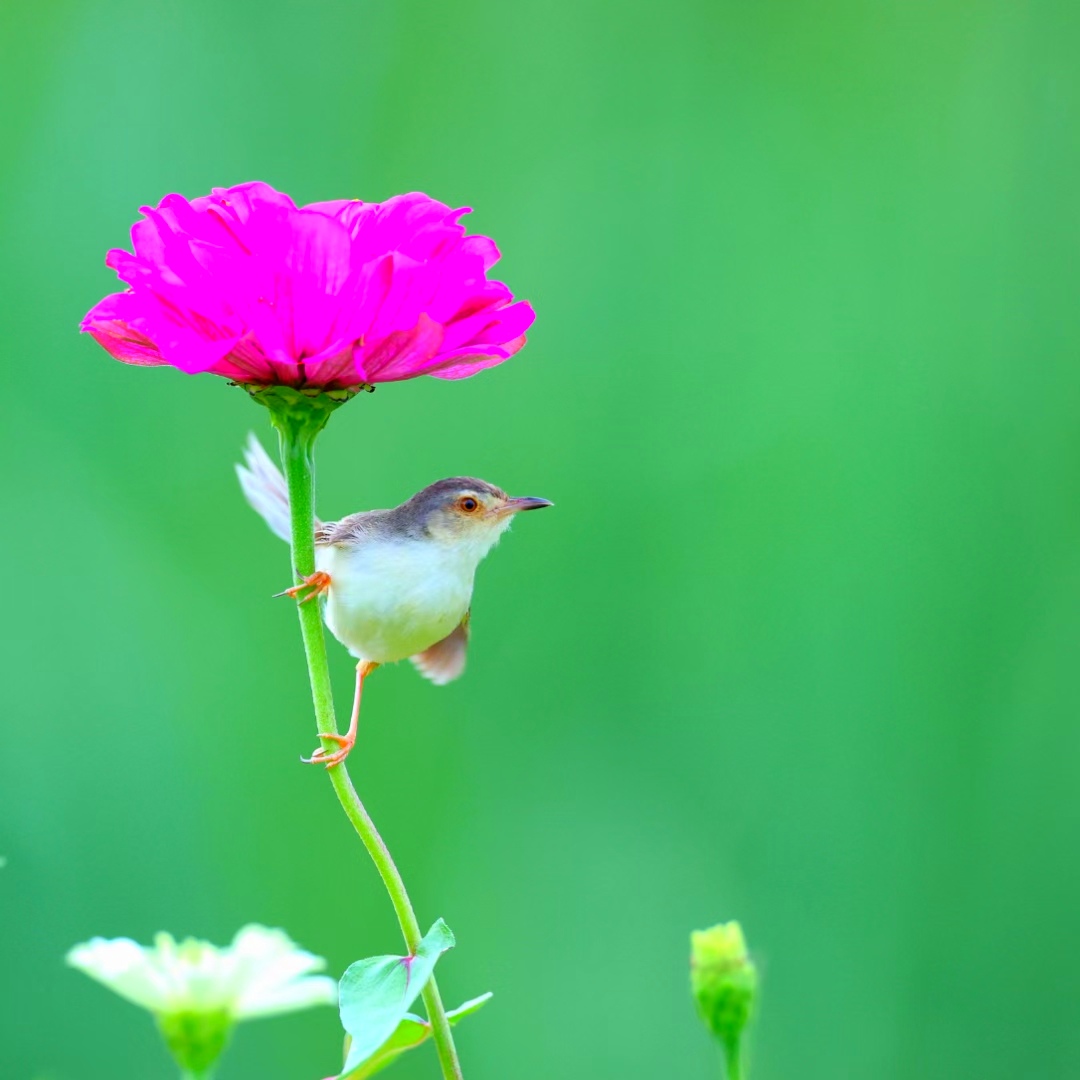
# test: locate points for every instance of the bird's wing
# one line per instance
(356, 528)
(445, 660)
(267, 491)
(324, 532)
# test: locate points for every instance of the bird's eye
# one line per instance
(469, 504)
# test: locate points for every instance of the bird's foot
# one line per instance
(330, 758)
(318, 584)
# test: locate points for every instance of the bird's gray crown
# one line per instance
(415, 514)
(442, 493)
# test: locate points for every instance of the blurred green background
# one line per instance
(797, 646)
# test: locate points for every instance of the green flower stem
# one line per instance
(298, 423)
(734, 1064)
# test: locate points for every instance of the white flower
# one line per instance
(261, 973)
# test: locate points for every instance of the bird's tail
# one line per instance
(265, 488)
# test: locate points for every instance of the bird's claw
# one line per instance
(330, 758)
(318, 584)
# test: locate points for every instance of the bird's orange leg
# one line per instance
(348, 740)
(318, 583)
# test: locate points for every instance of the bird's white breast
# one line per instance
(389, 599)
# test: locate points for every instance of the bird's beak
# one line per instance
(515, 506)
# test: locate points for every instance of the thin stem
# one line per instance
(297, 455)
(733, 1055)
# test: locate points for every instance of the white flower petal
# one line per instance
(286, 997)
(268, 958)
(261, 973)
(125, 968)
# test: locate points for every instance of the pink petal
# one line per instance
(244, 284)
(483, 247)
(403, 354)
(342, 209)
(105, 322)
(243, 201)
(189, 347)
(409, 291)
(318, 265)
(465, 363)
(334, 371)
(491, 326)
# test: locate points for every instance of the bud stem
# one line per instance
(733, 1057)
(298, 420)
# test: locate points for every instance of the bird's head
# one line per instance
(466, 511)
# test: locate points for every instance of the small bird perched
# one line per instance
(394, 583)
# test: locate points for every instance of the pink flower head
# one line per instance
(245, 284)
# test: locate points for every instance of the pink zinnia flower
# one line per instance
(245, 284)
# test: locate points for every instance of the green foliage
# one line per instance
(410, 1033)
(375, 994)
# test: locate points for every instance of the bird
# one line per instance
(393, 583)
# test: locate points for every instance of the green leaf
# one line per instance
(467, 1008)
(410, 1033)
(375, 994)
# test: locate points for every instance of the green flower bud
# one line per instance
(723, 980)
